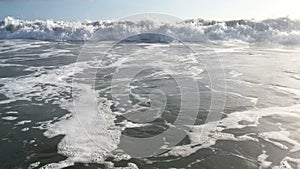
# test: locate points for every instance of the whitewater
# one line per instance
(281, 30)
(147, 94)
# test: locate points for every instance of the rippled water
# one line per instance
(59, 110)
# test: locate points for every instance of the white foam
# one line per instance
(12, 112)
(25, 129)
(22, 122)
(7, 101)
(232, 122)
(283, 136)
(25, 87)
(263, 160)
(280, 30)
(252, 99)
(129, 124)
(61, 164)
(284, 164)
(90, 133)
(130, 166)
(10, 118)
(34, 165)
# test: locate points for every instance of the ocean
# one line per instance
(146, 94)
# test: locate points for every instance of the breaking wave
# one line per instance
(280, 30)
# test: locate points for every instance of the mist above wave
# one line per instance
(280, 30)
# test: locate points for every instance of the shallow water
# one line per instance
(59, 110)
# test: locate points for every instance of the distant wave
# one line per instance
(280, 30)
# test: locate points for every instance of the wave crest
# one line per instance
(280, 30)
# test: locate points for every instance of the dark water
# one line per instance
(259, 125)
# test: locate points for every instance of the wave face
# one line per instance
(280, 30)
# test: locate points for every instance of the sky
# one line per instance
(80, 10)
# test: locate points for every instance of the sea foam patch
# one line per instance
(90, 133)
(10, 118)
(232, 121)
